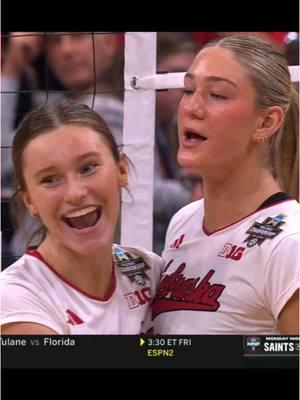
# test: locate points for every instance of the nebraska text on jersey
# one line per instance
(177, 292)
(215, 283)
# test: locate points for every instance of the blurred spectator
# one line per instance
(82, 64)
(204, 37)
(292, 48)
(175, 53)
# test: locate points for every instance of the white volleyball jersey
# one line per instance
(233, 281)
(32, 291)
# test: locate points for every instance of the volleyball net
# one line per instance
(141, 81)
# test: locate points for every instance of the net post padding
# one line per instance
(138, 139)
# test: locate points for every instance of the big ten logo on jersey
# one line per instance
(138, 297)
(232, 251)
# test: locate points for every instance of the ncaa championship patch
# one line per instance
(268, 229)
(132, 267)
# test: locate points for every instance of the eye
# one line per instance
(88, 169)
(187, 91)
(50, 181)
(218, 96)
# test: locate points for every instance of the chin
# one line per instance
(186, 161)
(92, 247)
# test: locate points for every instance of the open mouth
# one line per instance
(193, 136)
(84, 218)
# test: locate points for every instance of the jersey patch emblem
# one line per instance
(268, 229)
(134, 268)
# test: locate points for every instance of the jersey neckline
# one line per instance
(35, 253)
(268, 203)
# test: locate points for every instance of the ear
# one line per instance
(28, 203)
(269, 123)
(123, 171)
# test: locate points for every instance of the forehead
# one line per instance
(217, 61)
(65, 141)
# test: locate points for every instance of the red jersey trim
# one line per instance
(241, 219)
(36, 254)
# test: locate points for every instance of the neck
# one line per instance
(238, 194)
(77, 94)
(90, 273)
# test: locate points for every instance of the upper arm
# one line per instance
(26, 328)
(25, 310)
(281, 282)
(288, 320)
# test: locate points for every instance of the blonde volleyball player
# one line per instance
(69, 174)
(232, 259)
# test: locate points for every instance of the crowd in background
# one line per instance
(88, 68)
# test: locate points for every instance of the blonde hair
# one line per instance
(269, 73)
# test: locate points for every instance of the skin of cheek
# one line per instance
(229, 138)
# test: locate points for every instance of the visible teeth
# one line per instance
(81, 212)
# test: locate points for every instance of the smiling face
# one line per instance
(217, 115)
(74, 58)
(73, 184)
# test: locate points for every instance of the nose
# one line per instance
(194, 106)
(75, 192)
(66, 45)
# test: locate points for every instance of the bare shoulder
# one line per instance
(26, 328)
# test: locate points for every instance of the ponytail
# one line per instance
(285, 150)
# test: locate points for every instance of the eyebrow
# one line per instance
(78, 159)
(212, 78)
(88, 154)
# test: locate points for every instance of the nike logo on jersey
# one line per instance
(176, 292)
(73, 318)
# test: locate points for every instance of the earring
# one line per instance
(261, 139)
